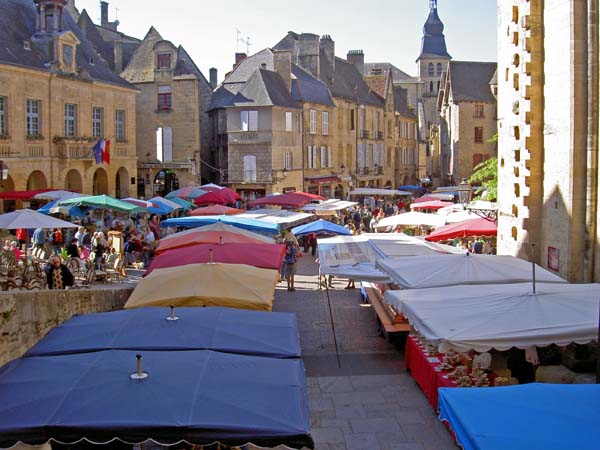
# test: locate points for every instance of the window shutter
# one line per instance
(329, 164)
(249, 168)
(159, 144)
(325, 123)
(288, 121)
(361, 155)
(309, 157)
(167, 144)
(253, 120)
(323, 156)
(313, 121)
(244, 120)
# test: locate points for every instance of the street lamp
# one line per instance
(464, 191)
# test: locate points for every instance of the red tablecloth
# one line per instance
(422, 368)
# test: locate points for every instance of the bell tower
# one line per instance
(49, 17)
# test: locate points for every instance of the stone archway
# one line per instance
(73, 181)
(165, 181)
(122, 183)
(7, 185)
(100, 182)
(388, 185)
(36, 180)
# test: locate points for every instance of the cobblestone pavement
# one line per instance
(370, 402)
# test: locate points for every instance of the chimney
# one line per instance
(239, 57)
(213, 77)
(282, 64)
(357, 57)
(308, 53)
(103, 13)
(326, 59)
(118, 57)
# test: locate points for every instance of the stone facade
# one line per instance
(53, 154)
(26, 317)
(548, 135)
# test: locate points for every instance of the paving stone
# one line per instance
(357, 398)
(383, 425)
(328, 435)
(351, 411)
(335, 384)
(362, 441)
(320, 404)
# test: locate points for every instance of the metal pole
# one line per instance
(337, 353)
(533, 264)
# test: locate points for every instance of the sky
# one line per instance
(386, 30)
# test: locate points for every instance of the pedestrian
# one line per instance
(21, 234)
(312, 241)
(58, 275)
(289, 264)
(39, 239)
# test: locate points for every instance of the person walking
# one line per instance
(289, 264)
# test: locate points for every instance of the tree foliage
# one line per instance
(486, 174)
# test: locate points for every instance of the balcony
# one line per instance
(363, 134)
(248, 136)
(363, 171)
(75, 151)
(378, 170)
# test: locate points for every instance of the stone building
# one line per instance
(57, 99)
(468, 121)
(172, 119)
(358, 142)
(548, 134)
(308, 118)
(400, 123)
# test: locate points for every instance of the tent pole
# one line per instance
(533, 264)
(337, 353)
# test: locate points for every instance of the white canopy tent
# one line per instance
(327, 207)
(449, 270)
(503, 316)
(355, 256)
(412, 218)
(281, 217)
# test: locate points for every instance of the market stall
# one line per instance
(217, 284)
(151, 329)
(284, 218)
(257, 226)
(527, 417)
(410, 219)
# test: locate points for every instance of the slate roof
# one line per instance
(141, 65)
(349, 84)
(305, 87)
(470, 81)
(377, 83)
(433, 44)
(265, 88)
(17, 24)
(383, 67)
(91, 33)
(401, 102)
(185, 65)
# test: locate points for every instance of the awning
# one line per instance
(22, 195)
(324, 179)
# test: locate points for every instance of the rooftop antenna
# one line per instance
(239, 39)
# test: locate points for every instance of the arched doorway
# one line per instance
(388, 185)
(36, 180)
(73, 181)
(100, 182)
(7, 185)
(338, 192)
(165, 181)
(122, 183)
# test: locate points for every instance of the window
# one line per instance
(288, 121)
(430, 70)
(163, 60)
(288, 162)
(377, 122)
(249, 120)
(361, 156)
(311, 154)
(439, 69)
(3, 121)
(98, 122)
(67, 53)
(250, 168)
(478, 110)
(479, 135)
(340, 119)
(361, 119)
(431, 86)
(119, 124)
(164, 144)
(313, 121)
(164, 98)
(325, 122)
(351, 120)
(325, 157)
(70, 120)
(33, 118)
(478, 158)
(375, 154)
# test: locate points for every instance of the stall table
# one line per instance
(422, 367)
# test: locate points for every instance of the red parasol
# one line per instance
(215, 210)
(476, 227)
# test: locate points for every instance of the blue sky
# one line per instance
(385, 30)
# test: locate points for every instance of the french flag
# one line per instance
(106, 151)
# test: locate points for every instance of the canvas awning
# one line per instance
(501, 316)
(218, 284)
(146, 329)
(523, 417)
(449, 270)
(196, 397)
(467, 228)
(237, 221)
(321, 227)
(266, 256)
(281, 217)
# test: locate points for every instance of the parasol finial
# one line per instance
(139, 375)
(172, 317)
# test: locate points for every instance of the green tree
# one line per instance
(486, 174)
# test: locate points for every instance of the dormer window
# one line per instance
(164, 60)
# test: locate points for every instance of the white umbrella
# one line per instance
(412, 219)
(57, 195)
(29, 219)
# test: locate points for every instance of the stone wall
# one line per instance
(26, 317)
